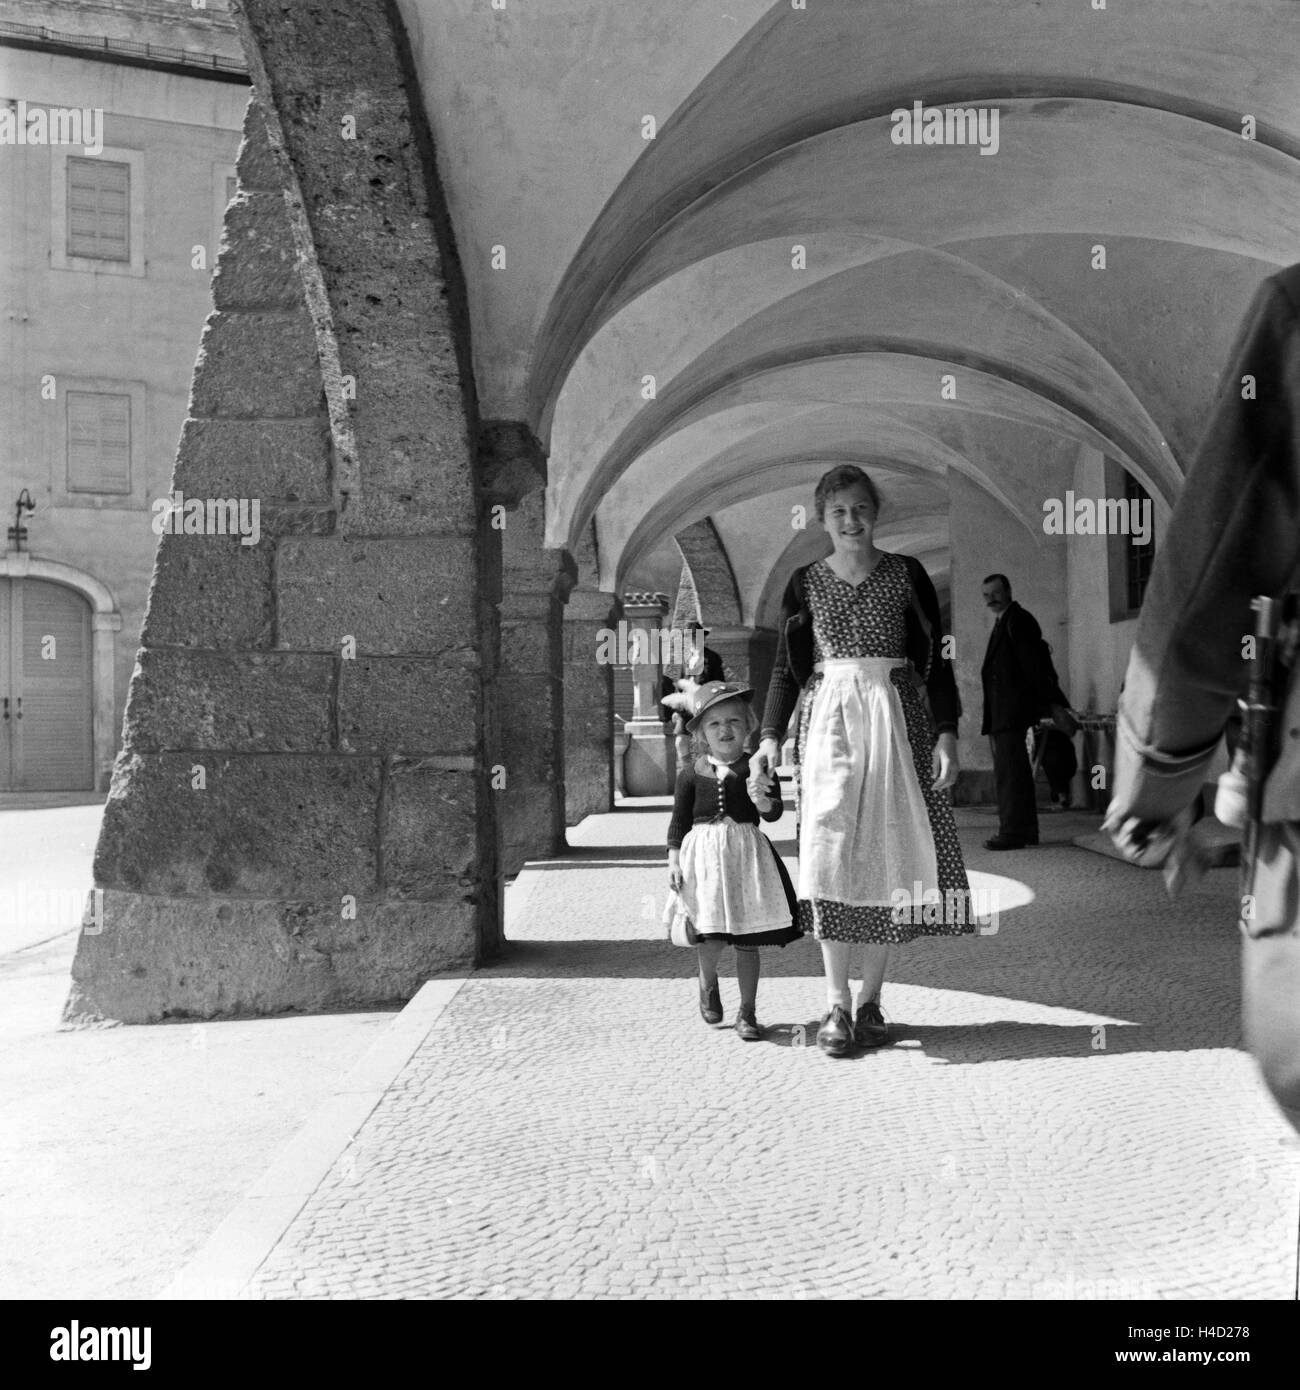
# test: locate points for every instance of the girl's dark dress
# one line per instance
(735, 887)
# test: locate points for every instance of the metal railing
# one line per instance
(127, 48)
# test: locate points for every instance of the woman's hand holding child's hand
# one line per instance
(768, 755)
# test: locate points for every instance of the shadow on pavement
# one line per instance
(1155, 979)
(1004, 1041)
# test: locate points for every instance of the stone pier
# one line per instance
(299, 816)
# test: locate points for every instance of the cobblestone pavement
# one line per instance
(1065, 1113)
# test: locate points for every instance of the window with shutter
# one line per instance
(1138, 558)
(99, 442)
(99, 201)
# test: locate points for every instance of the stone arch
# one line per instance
(715, 585)
(715, 486)
(778, 88)
(923, 537)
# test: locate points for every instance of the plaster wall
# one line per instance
(100, 330)
(1099, 648)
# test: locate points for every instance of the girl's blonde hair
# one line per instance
(700, 744)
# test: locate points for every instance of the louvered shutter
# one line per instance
(99, 442)
(99, 201)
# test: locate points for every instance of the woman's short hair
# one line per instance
(700, 744)
(840, 478)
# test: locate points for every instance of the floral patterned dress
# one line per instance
(868, 620)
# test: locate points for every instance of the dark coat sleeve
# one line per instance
(1017, 675)
(1234, 533)
(683, 808)
(1034, 662)
(940, 683)
(783, 688)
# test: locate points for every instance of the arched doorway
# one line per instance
(46, 688)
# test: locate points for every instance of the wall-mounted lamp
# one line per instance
(18, 532)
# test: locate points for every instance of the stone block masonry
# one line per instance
(300, 816)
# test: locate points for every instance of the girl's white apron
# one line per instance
(731, 882)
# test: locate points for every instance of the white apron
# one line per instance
(730, 880)
(864, 831)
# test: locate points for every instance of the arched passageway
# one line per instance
(559, 297)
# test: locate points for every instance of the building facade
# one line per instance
(109, 241)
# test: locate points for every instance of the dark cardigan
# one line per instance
(794, 654)
(701, 797)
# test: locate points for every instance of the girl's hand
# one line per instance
(945, 761)
(675, 870)
(760, 789)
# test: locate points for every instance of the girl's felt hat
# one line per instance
(712, 694)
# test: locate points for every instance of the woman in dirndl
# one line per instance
(879, 860)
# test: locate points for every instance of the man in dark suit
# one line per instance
(1019, 686)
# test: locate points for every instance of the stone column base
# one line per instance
(143, 958)
(650, 764)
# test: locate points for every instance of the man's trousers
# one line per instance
(1017, 803)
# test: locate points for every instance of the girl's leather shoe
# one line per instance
(869, 1027)
(835, 1036)
(710, 1004)
(747, 1025)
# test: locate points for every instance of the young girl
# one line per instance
(722, 866)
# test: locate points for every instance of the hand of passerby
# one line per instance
(675, 879)
(945, 761)
(1146, 843)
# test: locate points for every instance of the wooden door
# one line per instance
(46, 688)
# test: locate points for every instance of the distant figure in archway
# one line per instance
(702, 666)
(1020, 686)
(879, 860)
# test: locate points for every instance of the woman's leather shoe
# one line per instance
(710, 1004)
(869, 1027)
(747, 1025)
(835, 1036)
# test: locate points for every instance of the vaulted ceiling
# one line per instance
(800, 287)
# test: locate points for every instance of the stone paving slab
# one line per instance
(1065, 1112)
